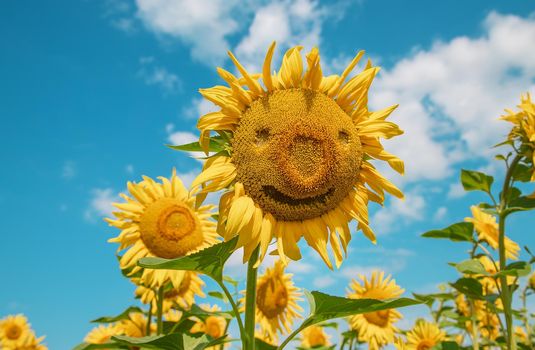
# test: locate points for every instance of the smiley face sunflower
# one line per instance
(297, 150)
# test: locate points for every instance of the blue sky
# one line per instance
(92, 90)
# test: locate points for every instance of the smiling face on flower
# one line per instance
(297, 153)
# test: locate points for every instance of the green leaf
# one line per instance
(517, 269)
(209, 261)
(327, 307)
(522, 173)
(231, 281)
(476, 181)
(198, 312)
(174, 341)
(471, 266)
(449, 345)
(262, 345)
(87, 346)
(122, 316)
(470, 287)
(216, 145)
(520, 204)
(458, 232)
(217, 295)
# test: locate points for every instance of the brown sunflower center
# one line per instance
(425, 344)
(297, 153)
(213, 327)
(378, 318)
(13, 332)
(272, 298)
(170, 228)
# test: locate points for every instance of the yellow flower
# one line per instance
(214, 326)
(487, 321)
(532, 282)
(376, 328)
(136, 325)
(490, 285)
(173, 315)
(276, 301)
(13, 330)
(314, 336)
(297, 155)
(27, 342)
(399, 343)
(102, 334)
(487, 231)
(424, 336)
(524, 129)
(521, 335)
(160, 220)
(190, 285)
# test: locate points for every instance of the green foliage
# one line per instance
(517, 269)
(174, 341)
(458, 232)
(122, 316)
(471, 266)
(470, 287)
(209, 261)
(476, 181)
(216, 145)
(110, 346)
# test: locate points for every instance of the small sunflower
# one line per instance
(523, 130)
(314, 336)
(376, 328)
(276, 301)
(296, 159)
(214, 326)
(13, 330)
(424, 336)
(487, 231)
(521, 335)
(160, 220)
(27, 342)
(102, 334)
(190, 285)
(173, 315)
(136, 325)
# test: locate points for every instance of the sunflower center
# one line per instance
(297, 153)
(170, 228)
(425, 344)
(272, 298)
(13, 332)
(213, 327)
(378, 318)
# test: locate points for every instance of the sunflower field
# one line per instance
(292, 158)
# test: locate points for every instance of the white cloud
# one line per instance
(100, 204)
(180, 137)
(397, 212)
(153, 74)
(68, 171)
(199, 106)
(452, 94)
(440, 214)
(203, 25)
(456, 190)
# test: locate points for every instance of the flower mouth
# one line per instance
(280, 197)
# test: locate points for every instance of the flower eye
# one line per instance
(343, 136)
(262, 136)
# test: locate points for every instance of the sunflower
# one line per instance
(521, 335)
(276, 301)
(214, 326)
(136, 325)
(523, 129)
(13, 330)
(160, 220)
(424, 336)
(487, 321)
(376, 328)
(314, 336)
(490, 285)
(296, 155)
(102, 334)
(28, 341)
(190, 285)
(487, 231)
(532, 282)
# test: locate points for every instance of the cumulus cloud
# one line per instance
(399, 212)
(154, 74)
(100, 204)
(451, 92)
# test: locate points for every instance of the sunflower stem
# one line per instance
(505, 291)
(235, 308)
(149, 319)
(159, 300)
(475, 330)
(250, 302)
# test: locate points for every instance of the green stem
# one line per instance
(526, 316)
(222, 346)
(149, 317)
(234, 308)
(159, 312)
(505, 291)
(293, 334)
(475, 330)
(250, 302)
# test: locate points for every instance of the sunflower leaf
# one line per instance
(471, 266)
(214, 146)
(520, 204)
(111, 346)
(517, 269)
(262, 345)
(174, 341)
(470, 287)
(209, 261)
(122, 316)
(476, 181)
(458, 232)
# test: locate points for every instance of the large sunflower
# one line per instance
(160, 219)
(487, 231)
(276, 302)
(102, 334)
(14, 330)
(190, 285)
(376, 328)
(424, 336)
(296, 155)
